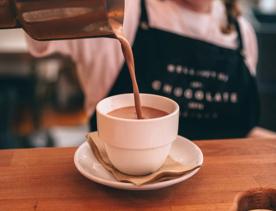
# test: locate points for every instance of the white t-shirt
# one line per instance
(99, 60)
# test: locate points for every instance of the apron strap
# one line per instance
(144, 14)
(240, 42)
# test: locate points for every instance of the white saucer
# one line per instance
(183, 151)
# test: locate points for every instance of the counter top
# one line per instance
(46, 179)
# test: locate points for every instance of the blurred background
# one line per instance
(41, 103)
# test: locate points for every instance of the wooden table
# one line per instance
(46, 179)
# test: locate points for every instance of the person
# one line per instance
(201, 53)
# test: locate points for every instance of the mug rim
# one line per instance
(176, 109)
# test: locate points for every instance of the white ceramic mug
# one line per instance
(137, 147)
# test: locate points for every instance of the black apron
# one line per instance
(212, 85)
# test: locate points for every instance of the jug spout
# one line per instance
(70, 19)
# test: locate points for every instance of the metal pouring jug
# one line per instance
(62, 19)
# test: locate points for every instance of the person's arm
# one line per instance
(69, 47)
(98, 60)
(251, 57)
(44, 48)
(259, 132)
(250, 45)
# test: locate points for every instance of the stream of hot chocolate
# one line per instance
(128, 54)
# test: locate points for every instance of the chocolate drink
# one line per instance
(130, 113)
(128, 54)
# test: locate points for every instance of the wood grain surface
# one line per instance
(46, 179)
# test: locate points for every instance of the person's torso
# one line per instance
(97, 77)
(212, 84)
